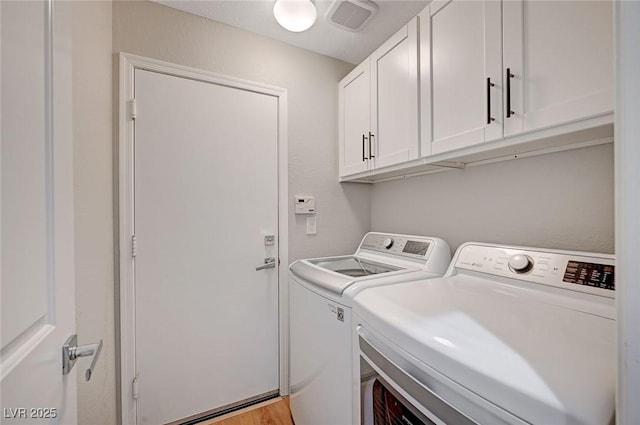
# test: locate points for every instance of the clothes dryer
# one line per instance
(509, 335)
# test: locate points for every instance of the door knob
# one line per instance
(269, 263)
(71, 351)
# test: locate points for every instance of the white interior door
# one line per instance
(37, 286)
(206, 195)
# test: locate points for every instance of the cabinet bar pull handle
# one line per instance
(489, 85)
(363, 141)
(509, 77)
(371, 136)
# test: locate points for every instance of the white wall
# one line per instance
(92, 123)
(562, 200)
(159, 32)
(144, 28)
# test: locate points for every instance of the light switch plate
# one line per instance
(311, 225)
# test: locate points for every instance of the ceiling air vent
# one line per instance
(351, 15)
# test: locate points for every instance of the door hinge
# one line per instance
(134, 246)
(132, 109)
(134, 388)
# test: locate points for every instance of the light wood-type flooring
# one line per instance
(272, 412)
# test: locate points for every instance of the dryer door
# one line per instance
(382, 405)
(384, 397)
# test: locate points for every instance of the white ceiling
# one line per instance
(323, 37)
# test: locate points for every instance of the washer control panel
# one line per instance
(571, 270)
(411, 247)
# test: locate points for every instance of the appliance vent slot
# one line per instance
(351, 15)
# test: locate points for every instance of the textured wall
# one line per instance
(155, 31)
(92, 123)
(159, 32)
(563, 200)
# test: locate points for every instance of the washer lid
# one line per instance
(539, 360)
(337, 273)
(353, 266)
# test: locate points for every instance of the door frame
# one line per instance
(627, 207)
(125, 328)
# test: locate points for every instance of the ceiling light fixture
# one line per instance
(295, 15)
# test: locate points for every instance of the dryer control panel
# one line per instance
(584, 272)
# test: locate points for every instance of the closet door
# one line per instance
(354, 121)
(466, 70)
(560, 56)
(394, 89)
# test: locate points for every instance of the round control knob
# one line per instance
(387, 243)
(520, 263)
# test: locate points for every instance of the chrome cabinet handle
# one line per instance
(371, 136)
(71, 351)
(269, 263)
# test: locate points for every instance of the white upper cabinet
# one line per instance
(468, 81)
(354, 120)
(378, 106)
(548, 62)
(462, 87)
(560, 56)
(394, 112)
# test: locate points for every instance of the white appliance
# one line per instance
(508, 335)
(321, 290)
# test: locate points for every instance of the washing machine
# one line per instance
(509, 335)
(321, 374)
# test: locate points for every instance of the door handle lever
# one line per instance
(269, 263)
(71, 351)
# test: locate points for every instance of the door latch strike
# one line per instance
(134, 388)
(132, 109)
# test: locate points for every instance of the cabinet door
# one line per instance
(354, 121)
(424, 46)
(466, 50)
(560, 54)
(394, 90)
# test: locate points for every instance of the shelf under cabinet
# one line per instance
(590, 132)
